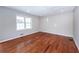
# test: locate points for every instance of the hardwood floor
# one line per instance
(39, 43)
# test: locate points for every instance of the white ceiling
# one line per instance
(43, 10)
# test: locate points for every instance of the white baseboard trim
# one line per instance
(14, 37)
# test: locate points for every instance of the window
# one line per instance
(23, 23)
(20, 22)
(28, 23)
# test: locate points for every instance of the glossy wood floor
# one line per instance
(39, 43)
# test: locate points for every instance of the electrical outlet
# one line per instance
(21, 34)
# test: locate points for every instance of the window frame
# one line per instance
(30, 23)
(25, 23)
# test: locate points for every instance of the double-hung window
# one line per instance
(28, 23)
(20, 22)
(23, 23)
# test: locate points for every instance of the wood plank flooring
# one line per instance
(39, 43)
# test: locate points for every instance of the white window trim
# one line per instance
(25, 27)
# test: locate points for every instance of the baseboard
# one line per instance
(16, 36)
(76, 44)
(58, 34)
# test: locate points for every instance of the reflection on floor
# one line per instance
(39, 43)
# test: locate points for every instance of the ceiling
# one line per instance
(43, 10)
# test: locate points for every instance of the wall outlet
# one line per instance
(21, 34)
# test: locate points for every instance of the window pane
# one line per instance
(28, 20)
(19, 17)
(28, 27)
(20, 26)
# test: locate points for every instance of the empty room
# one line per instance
(39, 29)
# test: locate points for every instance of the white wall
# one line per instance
(61, 24)
(8, 23)
(76, 26)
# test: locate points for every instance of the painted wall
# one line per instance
(61, 24)
(8, 23)
(76, 26)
